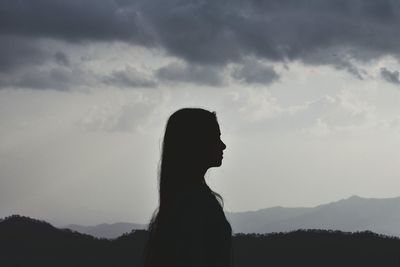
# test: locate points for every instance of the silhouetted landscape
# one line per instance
(29, 242)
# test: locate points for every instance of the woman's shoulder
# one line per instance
(198, 195)
(201, 210)
(200, 202)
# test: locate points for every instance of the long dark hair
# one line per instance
(186, 135)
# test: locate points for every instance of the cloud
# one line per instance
(57, 78)
(28, 63)
(190, 73)
(207, 33)
(130, 77)
(129, 114)
(390, 76)
(61, 59)
(255, 73)
(20, 51)
(343, 112)
(66, 77)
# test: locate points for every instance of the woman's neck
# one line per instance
(198, 175)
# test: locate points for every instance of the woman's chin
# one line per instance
(217, 163)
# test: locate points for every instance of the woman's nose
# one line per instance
(223, 145)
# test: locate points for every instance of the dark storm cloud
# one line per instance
(61, 59)
(73, 20)
(390, 76)
(220, 32)
(20, 51)
(213, 32)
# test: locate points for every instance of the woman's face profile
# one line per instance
(215, 148)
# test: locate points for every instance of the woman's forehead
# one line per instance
(214, 130)
(217, 129)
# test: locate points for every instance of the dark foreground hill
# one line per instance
(28, 242)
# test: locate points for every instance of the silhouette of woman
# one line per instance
(190, 228)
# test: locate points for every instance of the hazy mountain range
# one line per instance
(352, 214)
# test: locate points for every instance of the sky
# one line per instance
(307, 95)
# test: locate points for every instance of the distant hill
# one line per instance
(28, 242)
(351, 214)
(106, 230)
(254, 221)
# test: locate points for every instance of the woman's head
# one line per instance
(192, 142)
(191, 146)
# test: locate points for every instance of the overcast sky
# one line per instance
(307, 94)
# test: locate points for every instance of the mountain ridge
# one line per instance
(355, 213)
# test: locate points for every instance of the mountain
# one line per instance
(351, 214)
(29, 242)
(106, 230)
(253, 221)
